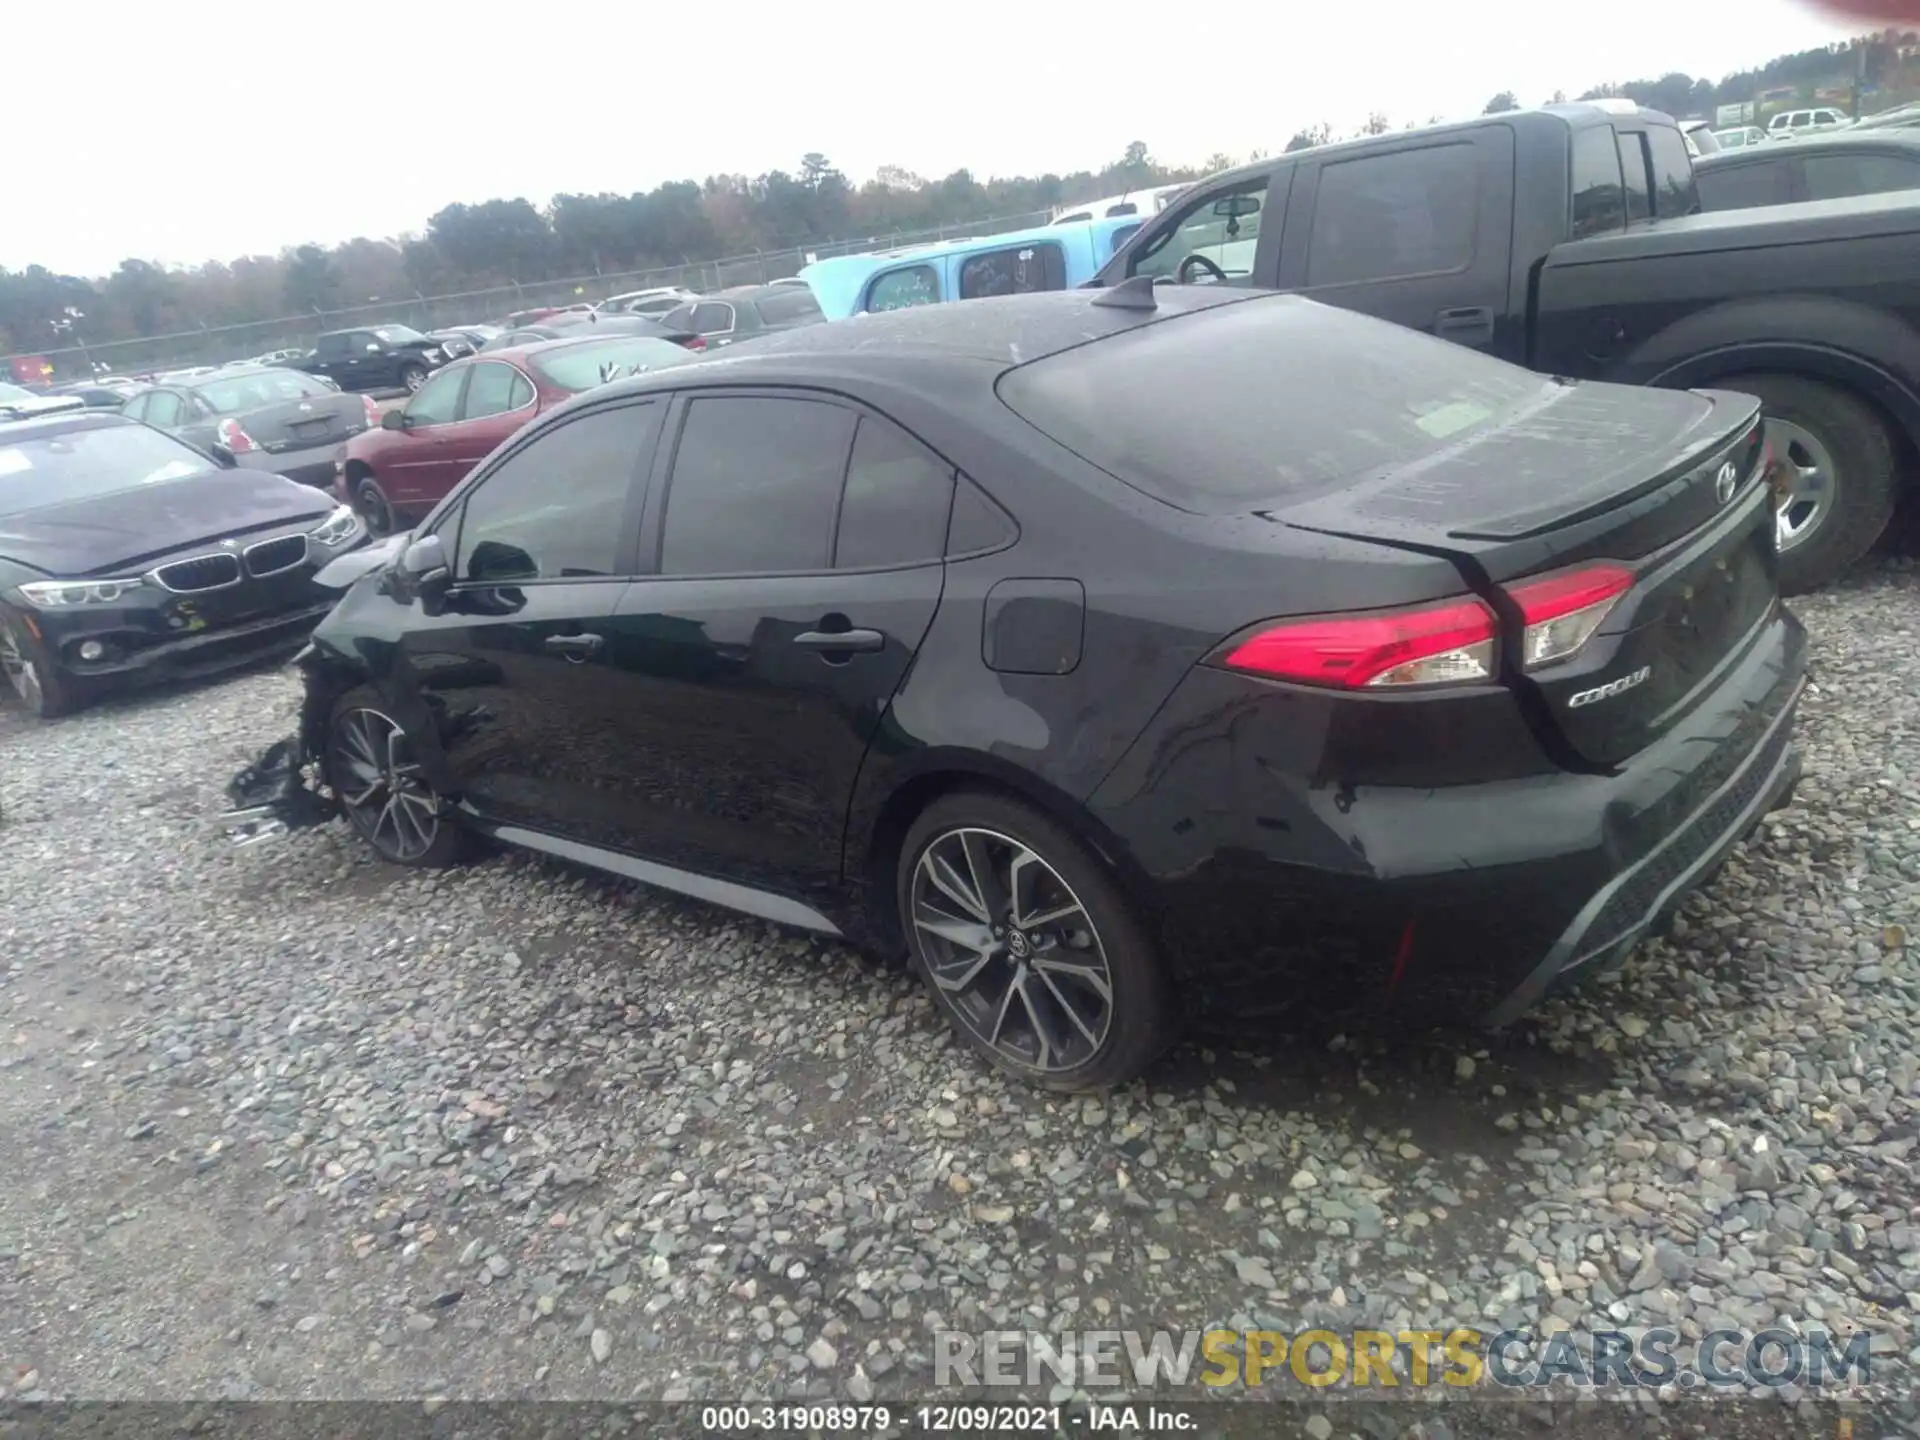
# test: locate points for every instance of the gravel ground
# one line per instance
(282, 1123)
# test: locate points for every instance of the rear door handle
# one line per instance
(575, 647)
(861, 640)
(1466, 324)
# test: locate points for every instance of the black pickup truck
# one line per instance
(377, 357)
(1569, 240)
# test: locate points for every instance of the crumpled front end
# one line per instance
(284, 789)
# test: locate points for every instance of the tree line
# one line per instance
(506, 241)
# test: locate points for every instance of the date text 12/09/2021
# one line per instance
(944, 1419)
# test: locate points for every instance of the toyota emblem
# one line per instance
(1726, 482)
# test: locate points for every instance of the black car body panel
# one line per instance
(1073, 645)
(372, 357)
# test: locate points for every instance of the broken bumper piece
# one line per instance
(273, 796)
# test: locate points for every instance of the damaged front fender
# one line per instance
(285, 788)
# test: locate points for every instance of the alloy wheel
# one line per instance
(19, 670)
(1011, 949)
(381, 787)
(413, 380)
(1803, 481)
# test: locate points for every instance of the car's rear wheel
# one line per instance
(374, 769)
(413, 377)
(375, 510)
(1836, 475)
(1029, 946)
(31, 671)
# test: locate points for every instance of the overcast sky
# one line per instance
(213, 129)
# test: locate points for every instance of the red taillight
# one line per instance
(373, 412)
(1563, 611)
(1432, 646)
(234, 438)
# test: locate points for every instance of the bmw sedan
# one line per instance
(126, 556)
(1121, 657)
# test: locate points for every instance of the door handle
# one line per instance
(861, 640)
(1467, 324)
(575, 647)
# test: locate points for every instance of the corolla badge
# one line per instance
(1726, 482)
(1610, 689)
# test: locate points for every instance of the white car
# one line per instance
(1738, 137)
(1790, 123)
(655, 302)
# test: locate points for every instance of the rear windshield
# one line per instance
(595, 362)
(253, 392)
(793, 303)
(81, 464)
(1247, 403)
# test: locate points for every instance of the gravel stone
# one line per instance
(281, 1123)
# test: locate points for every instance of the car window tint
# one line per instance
(1740, 187)
(1384, 217)
(438, 401)
(361, 341)
(1121, 235)
(1673, 191)
(1598, 206)
(1017, 270)
(1833, 177)
(712, 319)
(134, 409)
(556, 508)
(792, 302)
(978, 524)
(904, 288)
(164, 408)
(331, 346)
(897, 497)
(489, 390)
(756, 481)
(1211, 228)
(1633, 176)
(522, 392)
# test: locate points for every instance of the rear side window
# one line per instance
(793, 302)
(1740, 187)
(1673, 191)
(712, 319)
(1633, 176)
(904, 288)
(1018, 270)
(164, 409)
(897, 498)
(1834, 177)
(1598, 206)
(755, 486)
(1386, 217)
(1258, 401)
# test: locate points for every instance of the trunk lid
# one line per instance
(1669, 485)
(303, 423)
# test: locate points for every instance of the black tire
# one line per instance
(373, 506)
(32, 675)
(1863, 486)
(412, 377)
(448, 842)
(1142, 1017)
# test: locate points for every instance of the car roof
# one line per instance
(996, 334)
(520, 354)
(64, 422)
(1887, 141)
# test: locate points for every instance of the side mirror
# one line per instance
(374, 349)
(223, 457)
(425, 571)
(394, 420)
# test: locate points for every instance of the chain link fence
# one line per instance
(212, 345)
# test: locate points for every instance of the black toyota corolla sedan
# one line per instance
(1121, 656)
(126, 555)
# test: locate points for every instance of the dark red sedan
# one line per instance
(394, 474)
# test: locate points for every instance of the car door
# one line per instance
(364, 364)
(515, 665)
(716, 320)
(418, 468)
(497, 402)
(795, 545)
(1417, 233)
